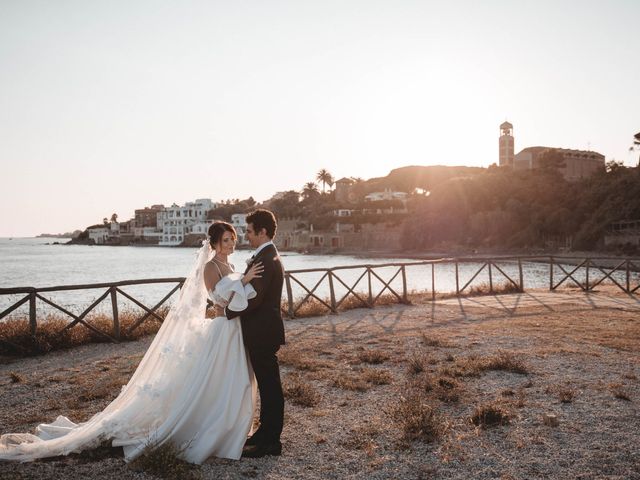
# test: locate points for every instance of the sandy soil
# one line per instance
(348, 376)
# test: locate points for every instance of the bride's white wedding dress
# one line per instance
(194, 387)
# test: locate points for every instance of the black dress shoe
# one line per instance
(254, 439)
(262, 450)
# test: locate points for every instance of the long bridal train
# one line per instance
(194, 387)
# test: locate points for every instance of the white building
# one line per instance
(386, 195)
(239, 222)
(99, 235)
(176, 222)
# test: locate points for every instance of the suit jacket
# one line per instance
(261, 321)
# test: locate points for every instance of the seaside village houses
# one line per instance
(165, 226)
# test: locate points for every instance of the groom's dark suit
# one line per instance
(263, 333)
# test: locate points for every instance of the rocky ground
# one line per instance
(536, 385)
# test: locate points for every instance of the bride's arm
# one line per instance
(211, 276)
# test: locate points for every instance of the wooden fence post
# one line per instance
(32, 312)
(114, 307)
(332, 293)
(370, 290)
(490, 277)
(628, 277)
(457, 279)
(521, 277)
(433, 282)
(587, 275)
(287, 278)
(404, 285)
(551, 273)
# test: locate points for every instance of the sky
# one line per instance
(109, 106)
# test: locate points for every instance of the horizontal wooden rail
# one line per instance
(367, 275)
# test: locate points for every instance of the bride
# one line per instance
(194, 386)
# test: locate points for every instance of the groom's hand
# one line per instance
(218, 311)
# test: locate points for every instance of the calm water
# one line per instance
(35, 262)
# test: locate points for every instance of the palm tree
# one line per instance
(114, 218)
(105, 220)
(325, 177)
(309, 190)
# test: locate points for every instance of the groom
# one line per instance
(263, 333)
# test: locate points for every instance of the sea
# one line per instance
(47, 262)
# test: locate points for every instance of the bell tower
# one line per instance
(506, 145)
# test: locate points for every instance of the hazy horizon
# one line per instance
(110, 106)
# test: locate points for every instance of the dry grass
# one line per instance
(350, 382)
(417, 419)
(416, 364)
(165, 461)
(16, 377)
(373, 357)
(16, 339)
(490, 415)
(290, 357)
(619, 391)
(474, 366)
(300, 392)
(377, 377)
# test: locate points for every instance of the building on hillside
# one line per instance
(505, 145)
(343, 190)
(148, 216)
(577, 163)
(178, 221)
(239, 222)
(388, 194)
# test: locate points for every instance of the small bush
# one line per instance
(416, 364)
(417, 419)
(490, 415)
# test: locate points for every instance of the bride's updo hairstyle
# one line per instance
(216, 231)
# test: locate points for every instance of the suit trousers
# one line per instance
(267, 371)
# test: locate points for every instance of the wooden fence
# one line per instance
(367, 295)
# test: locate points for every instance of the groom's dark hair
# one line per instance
(263, 219)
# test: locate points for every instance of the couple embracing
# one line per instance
(195, 387)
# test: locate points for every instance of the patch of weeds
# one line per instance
(506, 361)
(297, 360)
(350, 382)
(300, 392)
(619, 391)
(16, 377)
(376, 377)
(448, 390)
(416, 364)
(432, 341)
(373, 357)
(165, 461)
(566, 395)
(490, 415)
(361, 438)
(417, 419)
